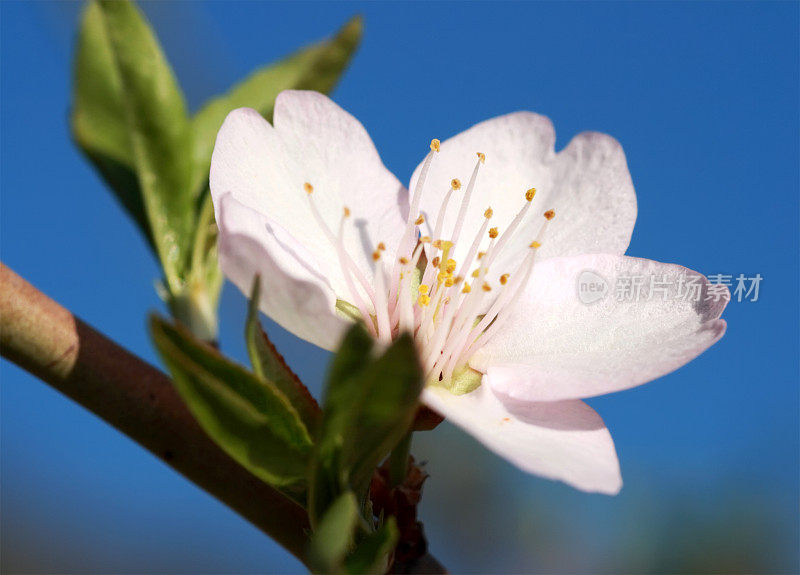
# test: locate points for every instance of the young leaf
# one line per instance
(334, 536)
(317, 67)
(98, 115)
(252, 422)
(369, 406)
(159, 131)
(373, 553)
(270, 365)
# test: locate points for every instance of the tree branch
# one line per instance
(45, 339)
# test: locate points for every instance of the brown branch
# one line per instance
(45, 339)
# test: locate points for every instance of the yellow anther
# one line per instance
(482, 157)
(488, 213)
(424, 299)
(376, 255)
(535, 244)
(308, 188)
(435, 262)
(435, 145)
(423, 289)
(504, 279)
(486, 287)
(437, 244)
(476, 272)
(441, 276)
(530, 193)
(420, 220)
(481, 254)
(455, 183)
(450, 266)
(550, 214)
(403, 260)
(346, 212)
(425, 240)
(466, 289)
(458, 279)
(382, 246)
(493, 233)
(449, 282)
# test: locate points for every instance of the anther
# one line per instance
(550, 214)
(450, 266)
(476, 272)
(504, 279)
(423, 289)
(376, 255)
(308, 188)
(420, 220)
(455, 183)
(535, 244)
(437, 244)
(530, 193)
(481, 254)
(425, 240)
(435, 144)
(482, 157)
(424, 300)
(486, 287)
(466, 289)
(435, 262)
(493, 232)
(403, 260)
(346, 212)
(488, 213)
(382, 246)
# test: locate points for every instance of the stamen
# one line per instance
(346, 261)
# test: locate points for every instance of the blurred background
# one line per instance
(703, 98)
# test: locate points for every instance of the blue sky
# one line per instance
(703, 98)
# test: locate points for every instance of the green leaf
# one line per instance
(98, 115)
(334, 536)
(252, 422)
(270, 365)
(143, 90)
(317, 67)
(373, 553)
(369, 406)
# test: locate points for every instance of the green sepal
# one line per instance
(334, 536)
(247, 418)
(269, 365)
(368, 408)
(374, 552)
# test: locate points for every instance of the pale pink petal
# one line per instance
(313, 141)
(293, 292)
(587, 184)
(565, 340)
(565, 441)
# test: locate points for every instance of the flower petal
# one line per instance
(313, 141)
(293, 292)
(566, 340)
(563, 440)
(587, 184)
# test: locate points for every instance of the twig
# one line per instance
(45, 339)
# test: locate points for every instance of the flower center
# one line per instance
(436, 299)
